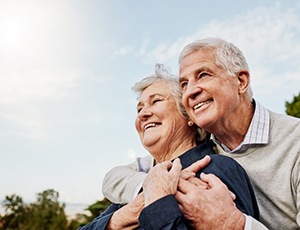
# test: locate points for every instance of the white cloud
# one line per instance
(263, 31)
(36, 85)
(22, 94)
(142, 50)
(124, 50)
(269, 38)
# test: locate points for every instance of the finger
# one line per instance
(198, 165)
(180, 197)
(176, 168)
(164, 165)
(184, 186)
(214, 181)
(233, 196)
(198, 182)
(185, 175)
(211, 180)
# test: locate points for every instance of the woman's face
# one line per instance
(158, 121)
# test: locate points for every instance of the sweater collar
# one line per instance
(258, 131)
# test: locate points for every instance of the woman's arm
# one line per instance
(118, 217)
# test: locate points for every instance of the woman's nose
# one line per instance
(144, 113)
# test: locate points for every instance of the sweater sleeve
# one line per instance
(122, 183)
(296, 186)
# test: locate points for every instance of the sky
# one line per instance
(67, 67)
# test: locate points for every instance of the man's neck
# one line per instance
(234, 131)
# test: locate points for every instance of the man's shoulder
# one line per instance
(284, 120)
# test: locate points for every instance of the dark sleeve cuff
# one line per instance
(161, 213)
(101, 221)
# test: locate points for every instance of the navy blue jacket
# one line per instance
(165, 213)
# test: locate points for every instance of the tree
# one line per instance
(95, 210)
(293, 107)
(16, 212)
(45, 214)
(98, 207)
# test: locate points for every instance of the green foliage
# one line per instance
(45, 214)
(16, 212)
(97, 208)
(293, 108)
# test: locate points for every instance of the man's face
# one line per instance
(210, 95)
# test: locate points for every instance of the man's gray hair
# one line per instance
(228, 56)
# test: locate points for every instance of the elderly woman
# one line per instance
(166, 133)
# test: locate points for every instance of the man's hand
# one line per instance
(127, 216)
(210, 208)
(161, 180)
(189, 173)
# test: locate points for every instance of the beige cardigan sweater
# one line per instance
(274, 170)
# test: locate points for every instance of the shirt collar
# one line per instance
(258, 131)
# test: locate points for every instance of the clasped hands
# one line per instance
(168, 178)
(206, 201)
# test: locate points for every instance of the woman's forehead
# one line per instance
(162, 88)
(159, 89)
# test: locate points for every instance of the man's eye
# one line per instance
(203, 74)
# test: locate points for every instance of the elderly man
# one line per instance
(215, 82)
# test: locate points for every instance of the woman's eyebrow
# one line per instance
(151, 97)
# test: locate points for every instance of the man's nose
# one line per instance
(192, 90)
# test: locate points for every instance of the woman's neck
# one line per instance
(172, 150)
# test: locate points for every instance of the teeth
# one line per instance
(201, 104)
(149, 125)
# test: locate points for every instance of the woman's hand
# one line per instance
(161, 180)
(127, 216)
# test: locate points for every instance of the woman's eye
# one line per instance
(156, 100)
(139, 109)
(183, 85)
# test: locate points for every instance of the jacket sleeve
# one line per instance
(101, 221)
(122, 183)
(162, 214)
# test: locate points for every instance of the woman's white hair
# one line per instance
(163, 75)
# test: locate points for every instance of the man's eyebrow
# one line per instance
(195, 73)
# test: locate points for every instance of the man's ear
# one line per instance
(244, 81)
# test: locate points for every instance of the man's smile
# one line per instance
(199, 105)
